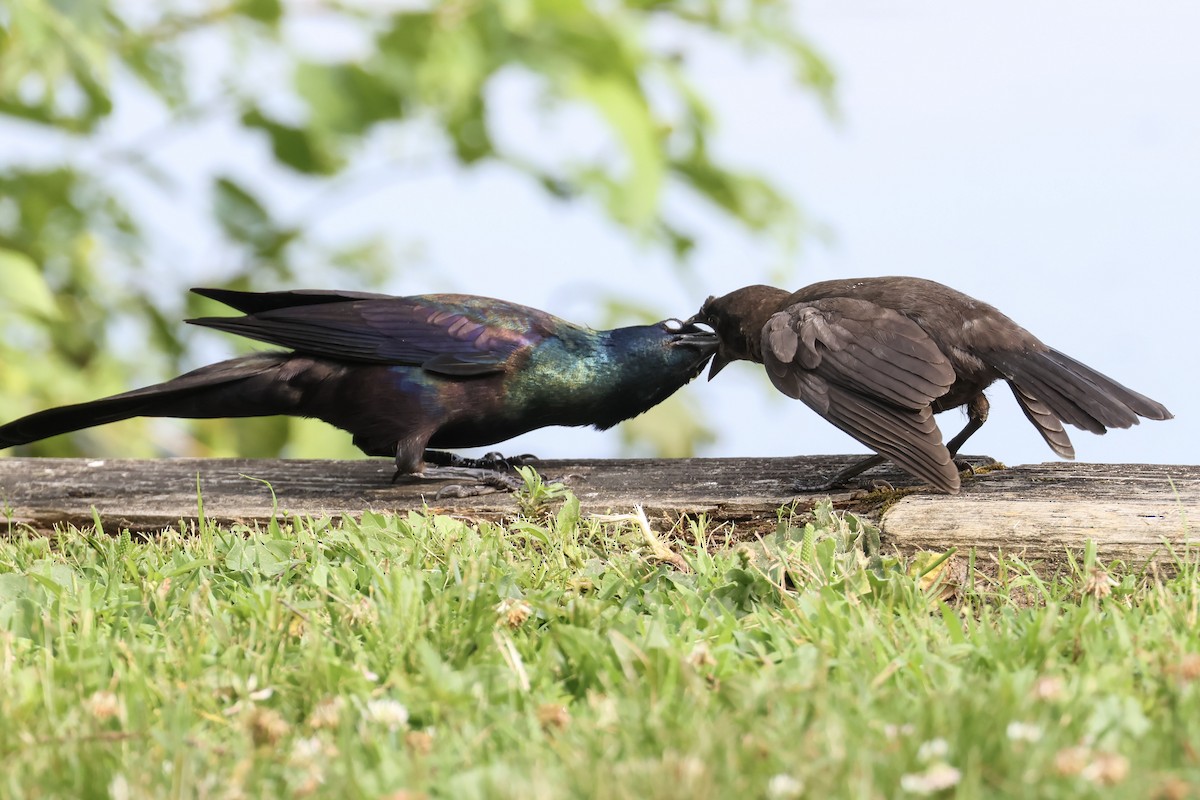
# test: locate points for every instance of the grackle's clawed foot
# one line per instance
(495, 461)
(478, 481)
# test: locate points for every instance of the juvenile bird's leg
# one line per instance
(977, 414)
(839, 480)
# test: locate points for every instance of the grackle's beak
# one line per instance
(690, 335)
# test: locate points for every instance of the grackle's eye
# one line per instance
(672, 325)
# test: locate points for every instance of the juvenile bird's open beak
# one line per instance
(719, 362)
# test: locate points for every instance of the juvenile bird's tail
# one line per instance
(1053, 388)
(241, 387)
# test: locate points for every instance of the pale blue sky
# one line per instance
(1042, 157)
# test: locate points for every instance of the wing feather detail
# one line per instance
(454, 335)
(870, 371)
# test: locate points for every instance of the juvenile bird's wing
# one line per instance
(459, 335)
(871, 372)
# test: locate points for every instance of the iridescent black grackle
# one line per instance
(405, 374)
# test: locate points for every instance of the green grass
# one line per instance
(417, 655)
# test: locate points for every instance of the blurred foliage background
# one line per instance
(88, 309)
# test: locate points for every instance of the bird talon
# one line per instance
(813, 488)
(566, 480)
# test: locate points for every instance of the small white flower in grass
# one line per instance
(1099, 583)
(387, 712)
(267, 726)
(254, 693)
(513, 612)
(118, 787)
(700, 656)
(893, 731)
(1023, 732)
(936, 778)
(933, 749)
(327, 713)
(363, 611)
(1072, 760)
(103, 705)
(305, 750)
(784, 787)
(1048, 687)
(1106, 769)
(420, 742)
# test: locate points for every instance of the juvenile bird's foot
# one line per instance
(967, 468)
(841, 480)
(813, 486)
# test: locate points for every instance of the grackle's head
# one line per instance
(646, 364)
(738, 319)
(685, 347)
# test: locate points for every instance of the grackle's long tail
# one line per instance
(249, 386)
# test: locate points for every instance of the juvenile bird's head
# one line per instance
(738, 319)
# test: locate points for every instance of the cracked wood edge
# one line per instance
(1036, 511)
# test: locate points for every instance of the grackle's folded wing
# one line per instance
(870, 371)
(460, 335)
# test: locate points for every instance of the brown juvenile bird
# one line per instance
(878, 357)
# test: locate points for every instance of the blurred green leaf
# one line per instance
(625, 109)
(24, 286)
(269, 11)
(245, 220)
(346, 98)
(302, 149)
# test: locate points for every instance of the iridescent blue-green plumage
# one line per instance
(404, 374)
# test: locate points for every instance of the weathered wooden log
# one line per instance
(1036, 511)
